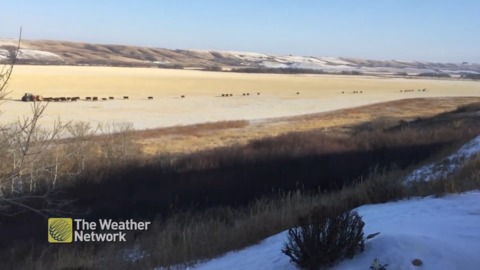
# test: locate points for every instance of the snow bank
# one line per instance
(338, 64)
(38, 55)
(444, 233)
(289, 60)
(32, 55)
(248, 56)
(4, 54)
(448, 165)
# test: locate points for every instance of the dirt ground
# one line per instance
(284, 103)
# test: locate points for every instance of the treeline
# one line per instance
(278, 70)
(434, 74)
(287, 71)
(471, 76)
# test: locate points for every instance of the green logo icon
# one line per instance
(60, 230)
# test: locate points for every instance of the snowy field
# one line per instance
(444, 233)
(203, 102)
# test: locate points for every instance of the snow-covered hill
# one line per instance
(443, 233)
(75, 53)
(33, 56)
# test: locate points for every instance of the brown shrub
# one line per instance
(323, 237)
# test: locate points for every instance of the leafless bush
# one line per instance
(80, 144)
(323, 237)
(31, 161)
(7, 69)
(116, 142)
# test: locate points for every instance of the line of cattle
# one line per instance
(31, 97)
(401, 91)
(246, 94)
(354, 92)
(413, 90)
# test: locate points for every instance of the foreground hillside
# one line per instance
(439, 233)
(75, 53)
(442, 233)
(210, 202)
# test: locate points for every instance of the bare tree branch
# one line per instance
(7, 69)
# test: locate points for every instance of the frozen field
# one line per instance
(202, 90)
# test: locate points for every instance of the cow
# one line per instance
(27, 97)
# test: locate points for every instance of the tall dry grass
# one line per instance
(187, 230)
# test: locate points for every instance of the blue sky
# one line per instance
(427, 30)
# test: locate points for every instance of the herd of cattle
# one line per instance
(413, 90)
(31, 97)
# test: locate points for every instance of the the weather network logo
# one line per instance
(68, 230)
(60, 230)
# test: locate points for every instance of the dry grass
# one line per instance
(278, 105)
(194, 236)
(138, 82)
(185, 237)
(183, 139)
(465, 179)
(203, 102)
(190, 236)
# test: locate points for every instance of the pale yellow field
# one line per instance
(278, 98)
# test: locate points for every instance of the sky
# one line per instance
(423, 30)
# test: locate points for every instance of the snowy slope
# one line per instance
(339, 64)
(444, 233)
(448, 165)
(38, 55)
(28, 54)
(77, 53)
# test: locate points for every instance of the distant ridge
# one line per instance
(49, 52)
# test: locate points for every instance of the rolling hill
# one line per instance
(49, 52)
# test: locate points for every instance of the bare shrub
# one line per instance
(115, 142)
(81, 144)
(31, 162)
(324, 237)
(7, 69)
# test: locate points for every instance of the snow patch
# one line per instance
(271, 64)
(133, 255)
(38, 55)
(247, 56)
(441, 232)
(27, 54)
(4, 54)
(448, 165)
(286, 60)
